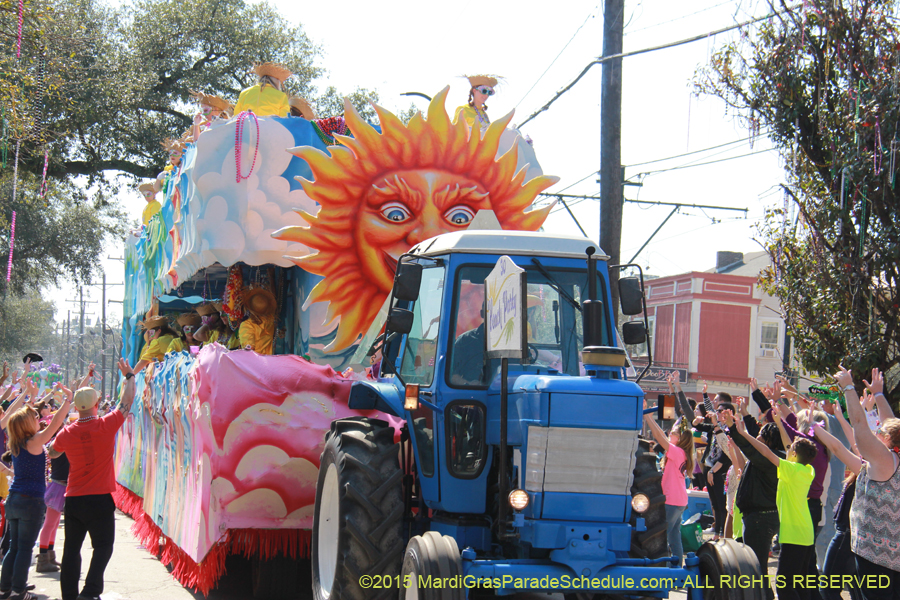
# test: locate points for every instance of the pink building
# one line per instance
(718, 326)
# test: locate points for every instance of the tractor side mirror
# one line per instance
(631, 296)
(407, 280)
(399, 321)
(633, 332)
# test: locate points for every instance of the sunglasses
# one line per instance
(721, 410)
(188, 328)
(485, 90)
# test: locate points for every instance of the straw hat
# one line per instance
(86, 398)
(192, 319)
(303, 106)
(172, 144)
(276, 70)
(476, 80)
(210, 308)
(211, 100)
(154, 322)
(148, 187)
(260, 301)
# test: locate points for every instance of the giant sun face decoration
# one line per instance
(382, 193)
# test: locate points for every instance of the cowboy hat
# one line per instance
(192, 319)
(34, 356)
(276, 70)
(260, 301)
(154, 322)
(210, 308)
(476, 80)
(211, 100)
(303, 107)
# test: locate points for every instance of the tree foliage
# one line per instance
(118, 80)
(28, 326)
(823, 78)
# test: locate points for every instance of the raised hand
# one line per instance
(844, 378)
(754, 384)
(705, 387)
(876, 386)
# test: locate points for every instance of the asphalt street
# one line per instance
(134, 574)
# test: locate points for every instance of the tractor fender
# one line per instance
(373, 395)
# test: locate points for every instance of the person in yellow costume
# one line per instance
(212, 109)
(214, 328)
(476, 110)
(159, 336)
(148, 191)
(257, 333)
(266, 98)
(189, 322)
(301, 108)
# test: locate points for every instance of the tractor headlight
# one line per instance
(640, 503)
(518, 499)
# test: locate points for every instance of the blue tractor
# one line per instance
(546, 486)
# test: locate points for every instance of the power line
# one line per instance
(709, 162)
(702, 10)
(603, 59)
(589, 17)
(648, 162)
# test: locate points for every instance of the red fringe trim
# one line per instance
(203, 576)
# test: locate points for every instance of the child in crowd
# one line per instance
(677, 464)
(795, 533)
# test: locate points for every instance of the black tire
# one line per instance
(279, 578)
(434, 557)
(651, 543)
(729, 558)
(361, 520)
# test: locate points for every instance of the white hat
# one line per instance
(86, 398)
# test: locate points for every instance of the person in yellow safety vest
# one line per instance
(266, 98)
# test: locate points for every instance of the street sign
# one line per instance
(504, 298)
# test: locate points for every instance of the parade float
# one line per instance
(220, 452)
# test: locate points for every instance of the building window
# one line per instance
(768, 339)
(640, 350)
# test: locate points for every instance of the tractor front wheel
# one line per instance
(357, 539)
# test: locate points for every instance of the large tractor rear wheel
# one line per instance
(357, 534)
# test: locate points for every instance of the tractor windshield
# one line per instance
(421, 343)
(554, 330)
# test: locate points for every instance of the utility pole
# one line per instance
(68, 329)
(81, 302)
(611, 197)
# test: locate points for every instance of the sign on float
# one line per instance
(504, 298)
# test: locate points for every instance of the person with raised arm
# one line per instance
(876, 506)
(90, 444)
(25, 505)
(678, 463)
(795, 532)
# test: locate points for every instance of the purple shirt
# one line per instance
(819, 463)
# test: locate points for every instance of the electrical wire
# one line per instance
(692, 152)
(603, 59)
(710, 162)
(588, 18)
(702, 10)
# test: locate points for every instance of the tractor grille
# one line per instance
(585, 461)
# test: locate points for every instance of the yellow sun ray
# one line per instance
(355, 243)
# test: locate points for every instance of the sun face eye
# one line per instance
(395, 212)
(459, 215)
